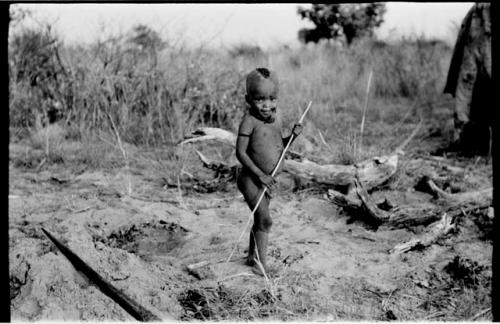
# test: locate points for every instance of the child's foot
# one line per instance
(257, 269)
(250, 262)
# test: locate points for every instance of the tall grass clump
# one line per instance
(336, 79)
(153, 94)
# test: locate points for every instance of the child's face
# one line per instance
(263, 98)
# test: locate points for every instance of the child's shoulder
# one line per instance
(248, 119)
(247, 124)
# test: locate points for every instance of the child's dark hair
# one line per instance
(258, 75)
(264, 72)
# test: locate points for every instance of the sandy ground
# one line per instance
(326, 266)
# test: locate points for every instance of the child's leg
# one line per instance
(260, 230)
(262, 221)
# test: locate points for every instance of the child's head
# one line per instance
(262, 93)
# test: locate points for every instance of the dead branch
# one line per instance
(197, 265)
(201, 270)
(358, 204)
(410, 216)
(149, 199)
(211, 133)
(377, 171)
(194, 266)
(376, 215)
(329, 174)
(425, 184)
(478, 198)
(440, 229)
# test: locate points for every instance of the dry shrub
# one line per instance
(50, 139)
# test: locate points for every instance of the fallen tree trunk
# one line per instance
(211, 133)
(479, 197)
(371, 173)
(359, 204)
(440, 229)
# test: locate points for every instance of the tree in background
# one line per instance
(146, 43)
(146, 38)
(341, 21)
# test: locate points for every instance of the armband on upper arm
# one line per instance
(246, 127)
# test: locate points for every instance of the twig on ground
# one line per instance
(237, 275)
(285, 310)
(481, 313)
(434, 315)
(155, 200)
(42, 162)
(82, 210)
(307, 242)
(385, 302)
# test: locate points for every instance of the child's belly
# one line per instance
(265, 150)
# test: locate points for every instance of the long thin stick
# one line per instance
(364, 110)
(265, 188)
(129, 305)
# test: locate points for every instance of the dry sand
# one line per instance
(326, 266)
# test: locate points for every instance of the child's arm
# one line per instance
(297, 129)
(241, 153)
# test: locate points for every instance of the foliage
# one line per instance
(146, 38)
(37, 76)
(17, 14)
(341, 21)
(246, 50)
(158, 97)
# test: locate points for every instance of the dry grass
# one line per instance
(276, 301)
(49, 139)
(155, 100)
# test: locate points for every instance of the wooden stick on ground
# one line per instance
(130, 306)
(440, 229)
(425, 184)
